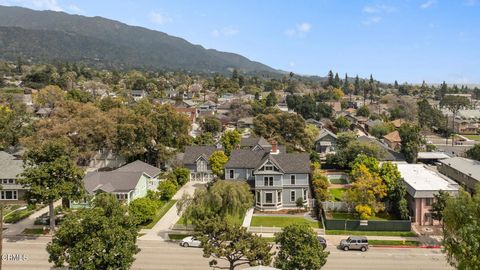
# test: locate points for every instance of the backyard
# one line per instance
(382, 216)
(336, 194)
(282, 221)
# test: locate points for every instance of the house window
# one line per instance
(292, 195)
(121, 196)
(258, 197)
(428, 201)
(231, 174)
(8, 181)
(292, 179)
(268, 181)
(8, 195)
(269, 168)
(269, 197)
(279, 196)
(304, 194)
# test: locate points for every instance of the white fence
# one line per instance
(336, 206)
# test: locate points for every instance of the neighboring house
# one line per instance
(277, 178)
(464, 171)
(393, 140)
(259, 144)
(105, 159)
(422, 184)
(326, 142)
(127, 183)
(185, 104)
(196, 158)
(191, 113)
(336, 106)
(314, 122)
(126, 186)
(171, 93)
(10, 168)
(397, 123)
(387, 154)
(151, 171)
(431, 157)
(246, 122)
(138, 94)
(465, 122)
(371, 123)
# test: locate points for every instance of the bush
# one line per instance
(167, 189)
(18, 215)
(181, 175)
(143, 209)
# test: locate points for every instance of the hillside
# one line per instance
(58, 36)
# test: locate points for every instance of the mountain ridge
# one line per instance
(139, 46)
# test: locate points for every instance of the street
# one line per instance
(165, 255)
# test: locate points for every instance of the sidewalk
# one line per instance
(19, 227)
(171, 217)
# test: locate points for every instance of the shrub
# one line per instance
(143, 210)
(167, 189)
(181, 175)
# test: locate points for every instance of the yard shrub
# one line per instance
(143, 210)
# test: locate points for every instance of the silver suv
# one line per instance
(354, 242)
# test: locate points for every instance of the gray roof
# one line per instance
(252, 141)
(140, 166)
(389, 154)
(192, 153)
(288, 162)
(324, 132)
(466, 166)
(245, 158)
(10, 166)
(113, 181)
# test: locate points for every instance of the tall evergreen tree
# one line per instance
(330, 79)
(336, 81)
(357, 85)
(395, 85)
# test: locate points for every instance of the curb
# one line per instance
(390, 246)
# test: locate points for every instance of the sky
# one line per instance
(404, 40)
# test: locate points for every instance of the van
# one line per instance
(354, 242)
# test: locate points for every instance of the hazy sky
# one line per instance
(407, 40)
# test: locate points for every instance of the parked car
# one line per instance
(322, 241)
(190, 241)
(354, 242)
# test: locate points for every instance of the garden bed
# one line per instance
(19, 214)
(281, 221)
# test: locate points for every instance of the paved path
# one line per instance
(248, 218)
(28, 222)
(171, 217)
(161, 255)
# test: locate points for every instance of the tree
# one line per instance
(51, 96)
(211, 124)
(381, 129)
(398, 199)
(320, 182)
(363, 111)
(474, 152)
(224, 199)
(439, 203)
(454, 104)
(299, 248)
(181, 175)
(230, 140)
(205, 138)
(15, 122)
(142, 210)
(342, 123)
(167, 189)
(460, 230)
(217, 162)
(344, 138)
(411, 141)
(271, 99)
(102, 237)
(346, 155)
(330, 79)
(429, 117)
(232, 243)
(366, 192)
(51, 174)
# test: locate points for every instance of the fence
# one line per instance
(331, 206)
(368, 225)
(262, 229)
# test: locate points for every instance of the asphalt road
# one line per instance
(160, 255)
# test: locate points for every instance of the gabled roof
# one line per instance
(245, 158)
(140, 166)
(113, 181)
(10, 166)
(467, 166)
(292, 162)
(288, 162)
(252, 141)
(324, 132)
(393, 136)
(389, 154)
(192, 153)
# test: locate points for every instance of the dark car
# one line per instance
(354, 242)
(322, 241)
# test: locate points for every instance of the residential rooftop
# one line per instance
(466, 166)
(424, 183)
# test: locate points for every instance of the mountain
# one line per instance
(58, 36)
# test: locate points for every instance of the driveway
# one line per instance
(172, 216)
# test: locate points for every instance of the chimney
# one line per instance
(274, 149)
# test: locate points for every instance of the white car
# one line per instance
(190, 241)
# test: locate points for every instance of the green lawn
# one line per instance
(273, 221)
(338, 181)
(394, 243)
(336, 193)
(33, 231)
(159, 214)
(16, 216)
(354, 216)
(473, 137)
(370, 233)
